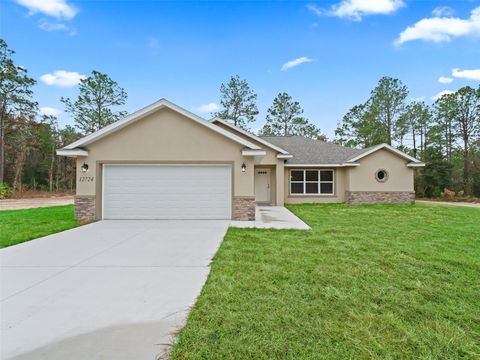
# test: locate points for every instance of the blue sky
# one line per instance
(184, 50)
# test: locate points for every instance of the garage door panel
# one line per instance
(167, 192)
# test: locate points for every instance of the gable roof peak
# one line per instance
(149, 109)
(372, 149)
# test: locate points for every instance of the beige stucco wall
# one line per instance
(165, 136)
(168, 137)
(340, 179)
(362, 178)
(271, 155)
(270, 161)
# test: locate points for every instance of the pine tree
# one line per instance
(238, 102)
(94, 107)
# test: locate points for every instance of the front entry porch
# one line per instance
(272, 217)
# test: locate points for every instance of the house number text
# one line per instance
(86, 178)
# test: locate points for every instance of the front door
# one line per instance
(262, 185)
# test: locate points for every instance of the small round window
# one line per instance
(381, 175)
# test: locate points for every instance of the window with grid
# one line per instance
(311, 182)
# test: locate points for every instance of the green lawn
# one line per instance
(367, 282)
(17, 226)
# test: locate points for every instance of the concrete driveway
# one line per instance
(108, 290)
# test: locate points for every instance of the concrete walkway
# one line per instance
(107, 290)
(272, 217)
(448, 203)
(16, 204)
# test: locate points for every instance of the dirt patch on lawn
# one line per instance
(39, 194)
(36, 202)
(449, 203)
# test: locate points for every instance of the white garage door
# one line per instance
(167, 192)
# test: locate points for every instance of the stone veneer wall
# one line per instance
(85, 208)
(379, 197)
(244, 208)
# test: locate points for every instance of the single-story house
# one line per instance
(164, 162)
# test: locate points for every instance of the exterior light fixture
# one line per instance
(244, 167)
(84, 167)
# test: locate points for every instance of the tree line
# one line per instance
(29, 139)
(284, 117)
(445, 135)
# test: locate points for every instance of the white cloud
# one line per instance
(440, 11)
(445, 80)
(438, 29)
(62, 78)
(314, 9)
(56, 8)
(50, 111)
(206, 108)
(441, 93)
(48, 26)
(356, 9)
(292, 63)
(473, 74)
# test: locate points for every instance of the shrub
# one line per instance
(448, 193)
(4, 190)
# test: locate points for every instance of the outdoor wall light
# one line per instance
(84, 167)
(244, 167)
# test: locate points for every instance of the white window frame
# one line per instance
(304, 182)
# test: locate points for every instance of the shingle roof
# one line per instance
(310, 151)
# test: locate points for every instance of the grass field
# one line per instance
(367, 282)
(17, 226)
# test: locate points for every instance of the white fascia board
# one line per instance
(414, 164)
(323, 165)
(248, 152)
(147, 111)
(117, 125)
(388, 147)
(284, 156)
(72, 152)
(251, 136)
